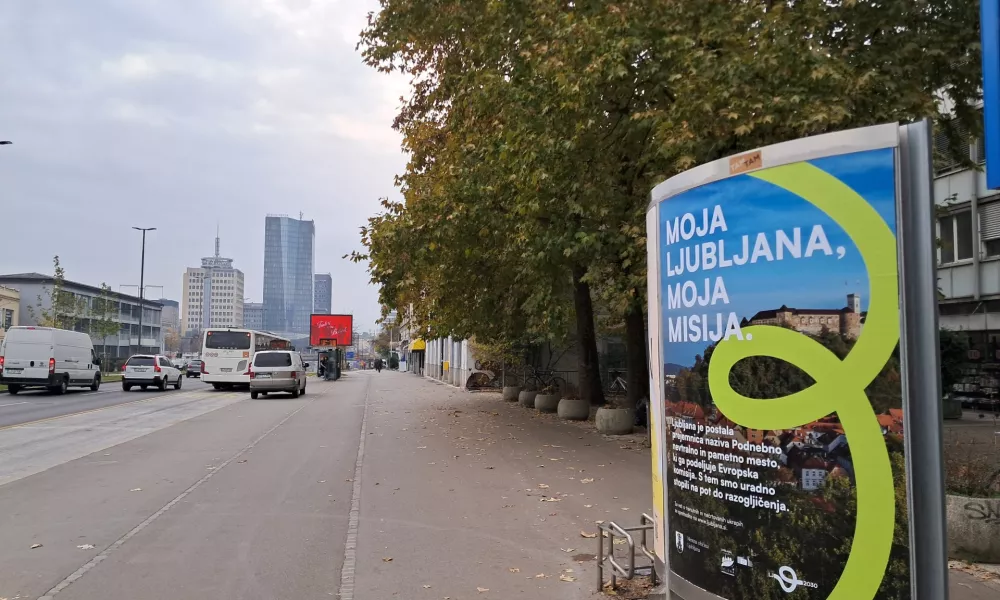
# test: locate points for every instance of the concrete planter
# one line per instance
(615, 421)
(574, 409)
(952, 409)
(510, 393)
(527, 398)
(973, 528)
(547, 403)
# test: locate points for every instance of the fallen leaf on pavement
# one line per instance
(543, 486)
(482, 589)
(551, 499)
(421, 447)
(86, 546)
(387, 559)
(135, 490)
(426, 586)
(588, 506)
(567, 550)
(588, 480)
(33, 546)
(540, 576)
(620, 541)
(588, 535)
(514, 570)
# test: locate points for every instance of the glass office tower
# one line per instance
(289, 259)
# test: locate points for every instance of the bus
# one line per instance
(226, 354)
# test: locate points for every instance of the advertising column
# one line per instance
(781, 377)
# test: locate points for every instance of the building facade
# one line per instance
(289, 260)
(968, 230)
(10, 309)
(170, 318)
(253, 315)
(212, 295)
(323, 294)
(117, 347)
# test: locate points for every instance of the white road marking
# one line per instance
(351, 545)
(12, 404)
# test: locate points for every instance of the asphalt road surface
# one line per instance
(36, 404)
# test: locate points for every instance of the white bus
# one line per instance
(226, 354)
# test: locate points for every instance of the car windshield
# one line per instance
(140, 361)
(272, 359)
(228, 340)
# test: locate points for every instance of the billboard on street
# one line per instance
(330, 331)
(784, 431)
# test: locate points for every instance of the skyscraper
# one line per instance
(289, 259)
(323, 293)
(213, 294)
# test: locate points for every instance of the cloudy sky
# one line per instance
(181, 114)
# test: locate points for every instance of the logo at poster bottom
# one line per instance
(789, 580)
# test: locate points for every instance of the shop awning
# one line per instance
(418, 344)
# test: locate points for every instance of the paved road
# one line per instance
(34, 405)
(372, 487)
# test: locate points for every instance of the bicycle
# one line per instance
(541, 379)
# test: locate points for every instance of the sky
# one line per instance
(751, 206)
(184, 115)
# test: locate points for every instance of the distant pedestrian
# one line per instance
(378, 365)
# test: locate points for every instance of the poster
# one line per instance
(780, 322)
(327, 331)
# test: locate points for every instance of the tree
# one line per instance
(63, 309)
(172, 341)
(104, 318)
(536, 130)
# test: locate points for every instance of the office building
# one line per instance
(212, 294)
(170, 319)
(289, 259)
(35, 292)
(253, 315)
(323, 293)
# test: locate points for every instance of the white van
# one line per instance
(46, 357)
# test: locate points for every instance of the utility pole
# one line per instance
(142, 279)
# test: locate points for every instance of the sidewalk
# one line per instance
(537, 456)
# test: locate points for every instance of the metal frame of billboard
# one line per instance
(920, 355)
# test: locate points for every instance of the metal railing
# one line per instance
(611, 530)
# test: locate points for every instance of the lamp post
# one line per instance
(142, 279)
(5, 142)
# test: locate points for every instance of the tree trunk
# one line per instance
(588, 365)
(637, 377)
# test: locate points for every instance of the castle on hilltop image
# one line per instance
(848, 321)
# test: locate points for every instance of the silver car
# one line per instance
(277, 371)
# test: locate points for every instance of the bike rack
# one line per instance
(611, 530)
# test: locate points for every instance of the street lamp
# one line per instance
(5, 142)
(142, 278)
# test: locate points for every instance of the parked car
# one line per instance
(145, 370)
(193, 369)
(47, 357)
(277, 371)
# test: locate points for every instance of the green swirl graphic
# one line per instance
(839, 385)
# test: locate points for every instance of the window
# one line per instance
(272, 359)
(227, 340)
(7, 318)
(956, 237)
(140, 361)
